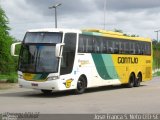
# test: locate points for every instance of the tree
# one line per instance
(6, 60)
(156, 54)
(118, 30)
(121, 31)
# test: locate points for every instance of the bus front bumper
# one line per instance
(54, 85)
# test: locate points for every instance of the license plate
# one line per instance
(34, 84)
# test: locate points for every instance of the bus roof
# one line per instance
(98, 32)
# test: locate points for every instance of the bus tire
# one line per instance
(131, 81)
(81, 85)
(138, 80)
(47, 92)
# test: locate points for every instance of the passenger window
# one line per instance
(68, 54)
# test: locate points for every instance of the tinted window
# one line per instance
(38, 59)
(43, 37)
(97, 44)
(68, 53)
(105, 45)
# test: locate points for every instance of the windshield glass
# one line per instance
(43, 37)
(38, 58)
(38, 52)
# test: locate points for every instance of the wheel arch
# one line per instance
(131, 80)
(85, 77)
(133, 74)
(140, 73)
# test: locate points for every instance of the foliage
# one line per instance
(11, 77)
(121, 31)
(118, 30)
(7, 62)
(155, 74)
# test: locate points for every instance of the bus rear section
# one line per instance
(110, 58)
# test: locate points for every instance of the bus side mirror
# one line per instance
(58, 50)
(13, 47)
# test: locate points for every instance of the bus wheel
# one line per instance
(138, 80)
(81, 85)
(47, 92)
(131, 81)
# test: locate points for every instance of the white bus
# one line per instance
(65, 59)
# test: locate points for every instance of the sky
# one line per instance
(140, 17)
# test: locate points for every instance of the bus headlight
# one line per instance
(52, 78)
(20, 76)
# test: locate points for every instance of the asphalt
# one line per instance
(109, 99)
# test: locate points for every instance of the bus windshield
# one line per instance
(38, 58)
(38, 53)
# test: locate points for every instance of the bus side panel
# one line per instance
(126, 64)
(98, 68)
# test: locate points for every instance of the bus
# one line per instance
(68, 59)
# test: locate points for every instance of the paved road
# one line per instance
(144, 99)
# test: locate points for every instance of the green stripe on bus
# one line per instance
(109, 65)
(105, 66)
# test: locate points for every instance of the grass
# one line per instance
(156, 74)
(8, 81)
(9, 78)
